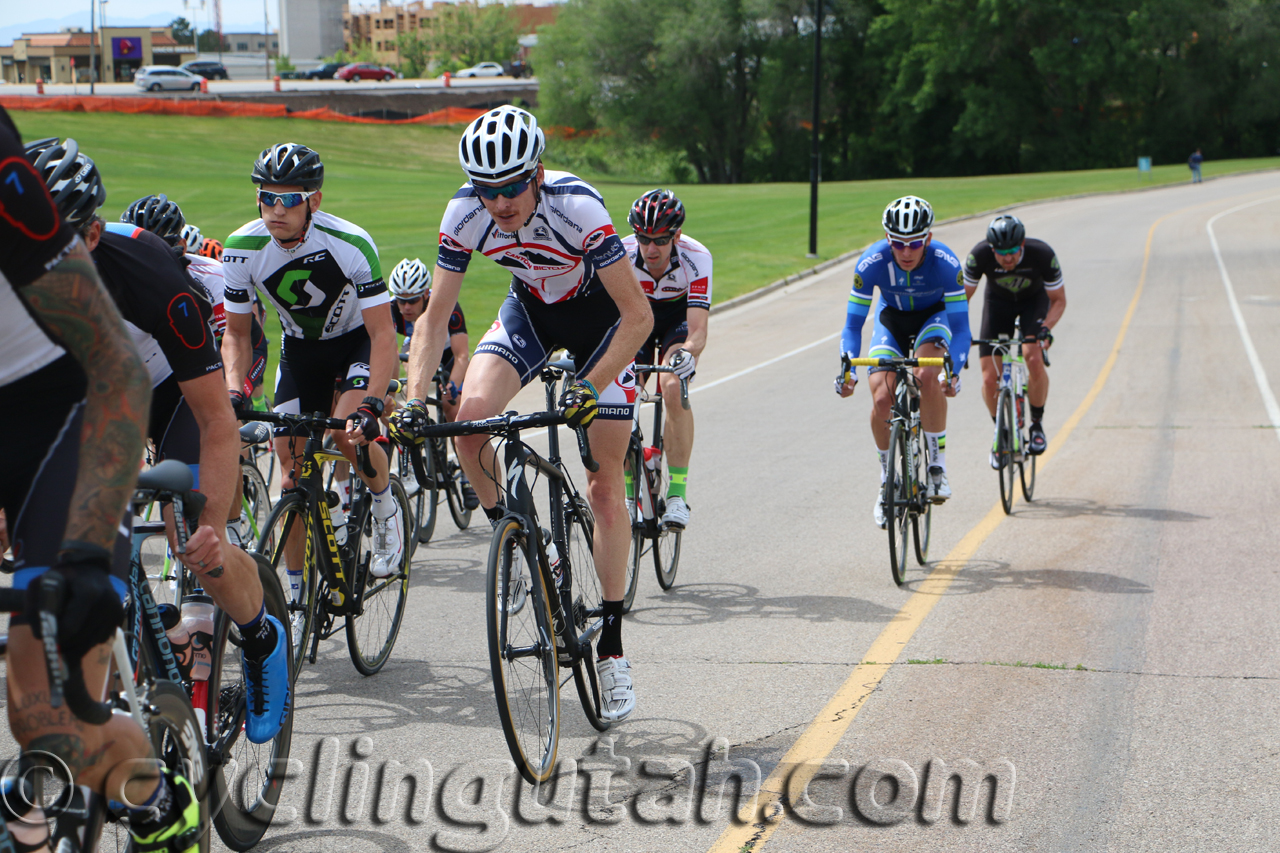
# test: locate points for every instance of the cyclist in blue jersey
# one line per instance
(922, 300)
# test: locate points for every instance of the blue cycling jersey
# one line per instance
(937, 283)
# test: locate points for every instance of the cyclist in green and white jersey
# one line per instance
(323, 276)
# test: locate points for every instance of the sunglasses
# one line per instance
(1007, 252)
(657, 241)
(903, 246)
(506, 190)
(289, 200)
(411, 301)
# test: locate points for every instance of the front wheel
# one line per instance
(373, 626)
(1027, 472)
(175, 736)
(422, 497)
(255, 504)
(453, 491)
(293, 561)
(666, 555)
(522, 653)
(154, 87)
(1005, 426)
(588, 603)
(922, 520)
(897, 502)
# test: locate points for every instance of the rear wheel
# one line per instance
(666, 555)
(285, 545)
(588, 603)
(457, 508)
(1027, 471)
(640, 543)
(255, 505)
(1005, 425)
(422, 498)
(243, 791)
(154, 87)
(921, 521)
(175, 736)
(373, 628)
(522, 654)
(897, 503)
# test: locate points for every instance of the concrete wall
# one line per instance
(310, 29)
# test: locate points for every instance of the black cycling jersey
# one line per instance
(1036, 272)
(457, 322)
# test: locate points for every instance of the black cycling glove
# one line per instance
(91, 609)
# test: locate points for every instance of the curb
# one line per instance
(850, 255)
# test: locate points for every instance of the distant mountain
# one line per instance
(9, 32)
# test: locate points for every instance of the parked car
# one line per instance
(153, 78)
(483, 69)
(206, 68)
(324, 72)
(364, 71)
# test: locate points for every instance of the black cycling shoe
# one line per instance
(469, 498)
(1038, 442)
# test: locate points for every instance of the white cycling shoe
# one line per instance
(939, 488)
(676, 513)
(617, 693)
(877, 511)
(388, 546)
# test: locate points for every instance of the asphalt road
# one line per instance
(241, 87)
(1109, 650)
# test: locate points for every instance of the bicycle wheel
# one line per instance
(244, 790)
(285, 545)
(423, 499)
(522, 655)
(588, 604)
(1005, 425)
(175, 737)
(921, 519)
(897, 487)
(453, 492)
(1027, 471)
(255, 506)
(373, 627)
(666, 555)
(639, 541)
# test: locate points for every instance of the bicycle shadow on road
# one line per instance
(977, 576)
(698, 604)
(355, 841)
(1078, 507)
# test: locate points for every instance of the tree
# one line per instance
(182, 31)
(464, 34)
(208, 42)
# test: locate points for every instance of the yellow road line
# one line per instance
(805, 757)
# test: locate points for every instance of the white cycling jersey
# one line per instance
(207, 272)
(24, 347)
(319, 287)
(689, 273)
(555, 256)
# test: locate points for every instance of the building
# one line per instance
(251, 43)
(381, 25)
(64, 57)
(311, 29)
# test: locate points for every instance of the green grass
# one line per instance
(394, 181)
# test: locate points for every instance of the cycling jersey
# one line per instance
(319, 287)
(688, 277)
(33, 239)
(937, 284)
(457, 326)
(1037, 271)
(555, 256)
(207, 273)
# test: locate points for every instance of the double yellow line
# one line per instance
(804, 759)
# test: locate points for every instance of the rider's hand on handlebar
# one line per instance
(204, 550)
(847, 380)
(239, 402)
(91, 610)
(363, 426)
(578, 404)
(453, 390)
(407, 423)
(683, 363)
(951, 388)
(1045, 337)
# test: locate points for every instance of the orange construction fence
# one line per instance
(192, 107)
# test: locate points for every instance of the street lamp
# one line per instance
(815, 164)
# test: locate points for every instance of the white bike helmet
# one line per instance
(410, 278)
(192, 238)
(503, 143)
(908, 218)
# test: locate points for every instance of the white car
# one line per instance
(483, 69)
(154, 78)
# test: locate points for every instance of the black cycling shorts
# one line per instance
(310, 370)
(174, 429)
(38, 475)
(670, 328)
(998, 316)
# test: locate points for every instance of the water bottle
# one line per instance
(651, 457)
(337, 516)
(553, 557)
(197, 622)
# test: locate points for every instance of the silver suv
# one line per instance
(153, 78)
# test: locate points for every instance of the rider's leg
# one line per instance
(933, 404)
(990, 382)
(677, 434)
(609, 441)
(347, 404)
(491, 383)
(1037, 376)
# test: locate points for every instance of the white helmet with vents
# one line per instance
(909, 217)
(503, 143)
(410, 278)
(192, 239)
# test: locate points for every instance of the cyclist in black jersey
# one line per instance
(67, 360)
(191, 419)
(1023, 280)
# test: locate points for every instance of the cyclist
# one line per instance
(66, 359)
(922, 298)
(410, 286)
(211, 248)
(675, 272)
(323, 276)
(1023, 280)
(191, 419)
(192, 239)
(568, 290)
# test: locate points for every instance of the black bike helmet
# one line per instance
(72, 179)
(155, 213)
(291, 165)
(908, 218)
(656, 213)
(1006, 232)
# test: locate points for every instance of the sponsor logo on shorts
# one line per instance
(518, 341)
(613, 411)
(699, 287)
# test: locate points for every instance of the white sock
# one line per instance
(884, 464)
(937, 442)
(384, 505)
(295, 586)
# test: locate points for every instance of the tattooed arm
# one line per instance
(72, 303)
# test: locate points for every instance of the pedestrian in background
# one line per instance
(1194, 162)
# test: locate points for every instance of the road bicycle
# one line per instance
(543, 601)
(444, 478)
(904, 496)
(648, 534)
(332, 586)
(1012, 441)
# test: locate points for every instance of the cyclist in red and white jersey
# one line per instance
(675, 272)
(571, 287)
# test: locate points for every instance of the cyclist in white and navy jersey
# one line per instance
(675, 272)
(571, 287)
(323, 276)
(922, 299)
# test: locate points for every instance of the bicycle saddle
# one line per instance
(169, 476)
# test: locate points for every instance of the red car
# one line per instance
(364, 71)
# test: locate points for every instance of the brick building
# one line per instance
(380, 25)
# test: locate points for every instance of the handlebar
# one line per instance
(505, 424)
(1005, 343)
(315, 423)
(896, 362)
(662, 368)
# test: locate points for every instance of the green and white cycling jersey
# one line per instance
(320, 286)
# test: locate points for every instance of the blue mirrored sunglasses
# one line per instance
(506, 190)
(287, 199)
(903, 246)
(1007, 252)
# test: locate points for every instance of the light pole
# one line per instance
(91, 50)
(815, 163)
